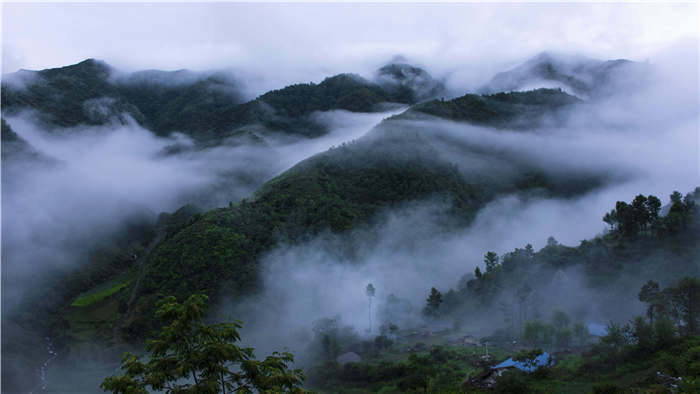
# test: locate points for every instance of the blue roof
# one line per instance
(597, 330)
(542, 360)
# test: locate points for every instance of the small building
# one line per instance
(349, 357)
(597, 329)
(543, 360)
(470, 340)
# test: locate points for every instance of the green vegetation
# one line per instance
(207, 107)
(408, 84)
(16, 149)
(651, 354)
(438, 369)
(101, 292)
(186, 348)
(662, 247)
(514, 109)
(648, 356)
(331, 192)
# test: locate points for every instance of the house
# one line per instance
(543, 360)
(467, 340)
(597, 329)
(470, 340)
(349, 357)
(487, 378)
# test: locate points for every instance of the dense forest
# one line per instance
(142, 282)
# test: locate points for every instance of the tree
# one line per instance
(419, 371)
(523, 293)
(329, 347)
(491, 261)
(654, 207)
(643, 334)
(477, 273)
(560, 319)
(652, 295)
(611, 219)
(686, 299)
(616, 337)
(533, 331)
(529, 250)
(433, 302)
(581, 333)
(189, 356)
(529, 358)
(370, 295)
(382, 342)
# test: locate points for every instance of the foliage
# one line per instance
(335, 192)
(370, 290)
(186, 348)
(432, 303)
(603, 261)
(491, 261)
(528, 357)
(98, 295)
(641, 217)
(560, 319)
(514, 109)
(206, 106)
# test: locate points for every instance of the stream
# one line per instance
(51, 355)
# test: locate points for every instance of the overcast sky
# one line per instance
(306, 42)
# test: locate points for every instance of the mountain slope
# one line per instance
(577, 75)
(503, 110)
(336, 191)
(16, 150)
(205, 106)
(408, 83)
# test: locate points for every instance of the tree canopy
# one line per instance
(189, 356)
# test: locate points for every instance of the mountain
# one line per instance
(16, 150)
(576, 75)
(337, 191)
(206, 106)
(502, 110)
(416, 157)
(407, 83)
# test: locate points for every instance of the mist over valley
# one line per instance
(396, 222)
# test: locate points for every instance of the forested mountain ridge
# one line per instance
(503, 110)
(578, 75)
(17, 150)
(205, 106)
(337, 191)
(412, 158)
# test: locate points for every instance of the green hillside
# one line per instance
(335, 191)
(514, 109)
(205, 106)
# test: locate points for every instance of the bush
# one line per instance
(512, 382)
(606, 388)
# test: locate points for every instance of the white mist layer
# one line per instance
(107, 174)
(646, 141)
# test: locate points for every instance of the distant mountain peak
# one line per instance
(92, 67)
(576, 74)
(409, 82)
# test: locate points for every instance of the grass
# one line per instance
(102, 291)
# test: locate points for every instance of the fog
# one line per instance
(637, 142)
(104, 178)
(469, 44)
(108, 175)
